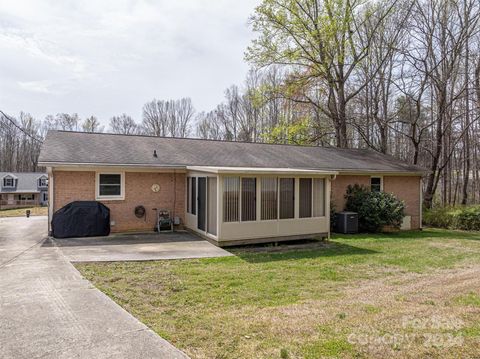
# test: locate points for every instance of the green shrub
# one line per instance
(376, 210)
(440, 217)
(468, 218)
(333, 217)
(465, 218)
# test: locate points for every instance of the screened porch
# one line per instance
(240, 205)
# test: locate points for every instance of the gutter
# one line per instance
(227, 170)
(99, 164)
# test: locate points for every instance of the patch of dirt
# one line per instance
(406, 315)
(284, 246)
(416, 288)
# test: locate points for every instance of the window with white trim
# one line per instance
(110, 186)
(42, 182)
(8, 181)
(376, 184)
(26, 197)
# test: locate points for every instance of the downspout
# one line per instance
(174, 195)
(51, 199)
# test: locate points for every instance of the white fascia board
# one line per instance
(259, 170)
(112, 166)
(379, 173)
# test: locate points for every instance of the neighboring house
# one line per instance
(23, 189)
(229, 192)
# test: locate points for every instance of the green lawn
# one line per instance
(408, 294)
(20, 212)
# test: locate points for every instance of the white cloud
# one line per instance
(110, 57)
(36, 86)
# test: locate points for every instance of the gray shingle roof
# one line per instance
(110, 149)
(26, 182)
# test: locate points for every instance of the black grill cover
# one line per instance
(81, 219)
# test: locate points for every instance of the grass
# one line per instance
(311, 302)
(469, 299)
(20, 212)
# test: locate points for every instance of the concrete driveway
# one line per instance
(177, 245)
(47, 310)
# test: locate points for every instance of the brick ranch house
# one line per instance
(227, 192)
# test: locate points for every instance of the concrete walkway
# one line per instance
(176, 245)
(47, 310)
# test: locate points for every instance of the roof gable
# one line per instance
(11, 175)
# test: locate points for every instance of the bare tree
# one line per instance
(91, 124)
(124, 125)
(168, 118)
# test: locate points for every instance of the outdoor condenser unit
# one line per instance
(347, 222)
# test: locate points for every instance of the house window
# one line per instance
(26, 197)
(193, 196)
(8, 182)
(269, 198)
(42, 182)
(44, 197)
(249, 193)
(231, 191)
(110, 186)
(318, 197)
(287, 198)
(305, 200)
(376, 184)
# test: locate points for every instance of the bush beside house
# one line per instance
(465, 218)
(377, 211)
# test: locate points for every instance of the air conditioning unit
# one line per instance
(347, 222)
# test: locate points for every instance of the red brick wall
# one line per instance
(74, 186)
(339, 188)
(406, 188)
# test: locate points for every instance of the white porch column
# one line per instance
(219, 206)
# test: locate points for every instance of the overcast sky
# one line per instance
(105, 58)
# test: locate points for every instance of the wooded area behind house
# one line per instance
(401, 77)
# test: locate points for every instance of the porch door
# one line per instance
(202, 203)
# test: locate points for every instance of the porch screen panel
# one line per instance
(231, 195)
(287, 196)
(212, 205)
(249, 206)
(318, 197)
(189, 195)
(305, 200)
(194, 195)
(269, 198)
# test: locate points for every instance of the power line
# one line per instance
(13, 122)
